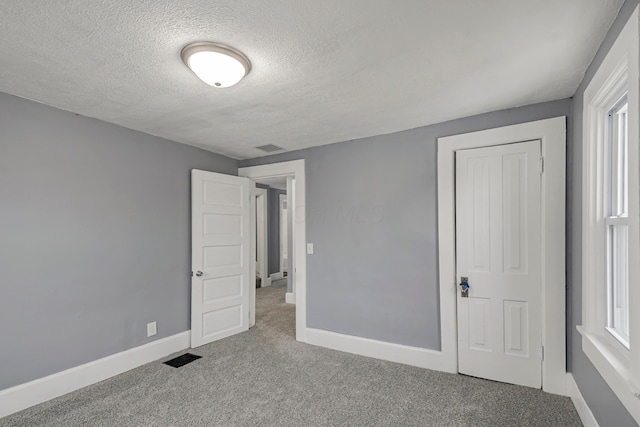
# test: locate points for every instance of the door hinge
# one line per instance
(541, 165)
(542, 353)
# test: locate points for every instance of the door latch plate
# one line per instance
(464, 284)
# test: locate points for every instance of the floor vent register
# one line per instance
(182, 360)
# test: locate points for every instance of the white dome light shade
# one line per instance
(216, 65)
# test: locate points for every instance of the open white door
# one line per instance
(221, 256)
(498, 247)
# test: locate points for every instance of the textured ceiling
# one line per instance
(322, 71)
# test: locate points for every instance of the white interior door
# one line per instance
(221, 256)
(498, 248)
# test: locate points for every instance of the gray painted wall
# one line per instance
(95, 238)
(603, 403)
(371, 215)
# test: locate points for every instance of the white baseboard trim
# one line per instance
(22, 396)
(586, 416)
(290, 298)
(415, 356)
(276, 276)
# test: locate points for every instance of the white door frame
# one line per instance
(282, 198)
(552, 133)
(295, 168)
(290, 297)
(262, 224)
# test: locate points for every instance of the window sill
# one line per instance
(614, 368)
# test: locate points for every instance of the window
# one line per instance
(617, 222)
(611, 219)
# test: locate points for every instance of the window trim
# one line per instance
(618, 73)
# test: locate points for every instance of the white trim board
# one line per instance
(552, 133)
(295, 168)
(290, 298)
(408, 355)
(586, 416)
(253, 227)
(25, 395)
(262, 227)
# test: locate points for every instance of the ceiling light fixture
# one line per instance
(215, 64)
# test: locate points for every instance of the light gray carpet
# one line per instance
(265, 378)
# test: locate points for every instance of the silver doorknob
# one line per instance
(199, 273)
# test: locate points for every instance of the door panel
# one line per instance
(480, 201)
(479, 316)
(223, 287)
(498, 248)
(220, 256)
(222, 225)
(516, 329)
(514, 227)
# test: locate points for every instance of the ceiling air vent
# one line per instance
(269, 148)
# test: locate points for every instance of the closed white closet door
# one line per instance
(498, 250)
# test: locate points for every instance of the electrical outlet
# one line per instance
(152, 329)
(310, 248)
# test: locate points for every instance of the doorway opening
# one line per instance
(225, 255)
(292, 175)
(272, 225)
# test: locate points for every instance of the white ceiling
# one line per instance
(322, 71)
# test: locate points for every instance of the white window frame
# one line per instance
(615, 215)
(617, 74)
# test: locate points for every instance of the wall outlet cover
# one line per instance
(152, 329)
